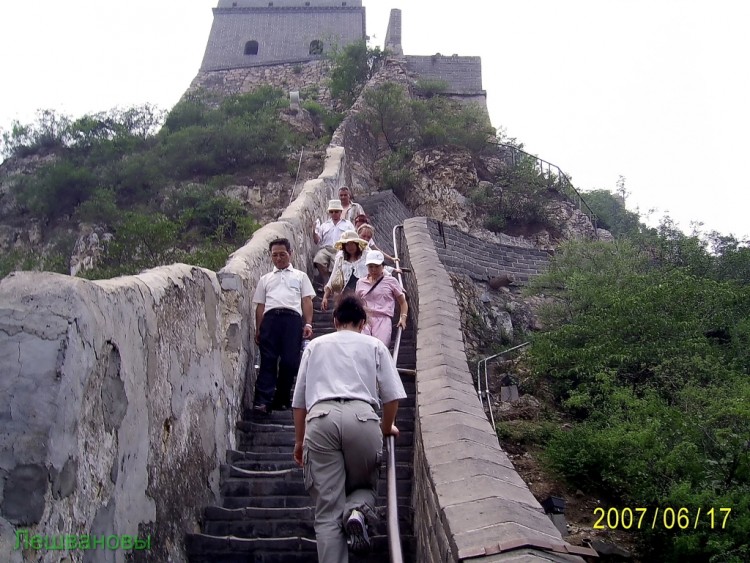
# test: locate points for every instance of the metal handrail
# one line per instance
(394, 535)
(296, 177)
(486, 391)
(564, 185)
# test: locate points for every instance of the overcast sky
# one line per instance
(655, 91)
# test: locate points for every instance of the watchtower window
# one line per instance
(251, 48)
(316, 47)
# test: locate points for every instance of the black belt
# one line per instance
(282, 311)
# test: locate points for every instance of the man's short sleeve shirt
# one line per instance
(354, 210)
(283, 289)
(330, 233)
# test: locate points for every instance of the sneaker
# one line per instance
(356, 529)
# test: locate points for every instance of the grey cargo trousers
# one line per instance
(342, 450)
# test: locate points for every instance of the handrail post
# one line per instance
(486, 379)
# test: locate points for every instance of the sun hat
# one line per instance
(350, 236)
(335, 205)
(374, 257)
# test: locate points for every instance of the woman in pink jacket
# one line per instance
(380, 292)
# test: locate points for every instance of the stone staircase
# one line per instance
(266, 516)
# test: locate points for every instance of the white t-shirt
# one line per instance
(283, 288)
(346, 365)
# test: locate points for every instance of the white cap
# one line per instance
(374, 257)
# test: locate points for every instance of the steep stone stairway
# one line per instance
(266, 515)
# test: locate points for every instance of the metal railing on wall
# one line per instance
(394, 536)
(556, 179)
(483, 380)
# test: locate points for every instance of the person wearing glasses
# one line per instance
(328, 234)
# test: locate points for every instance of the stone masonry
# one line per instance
(481, 259)
(120, 396)
(251, 32)
(468, 500)
(307, 77)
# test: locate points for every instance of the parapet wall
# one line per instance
(481, 260)
(469, 502)
(120, 396)
(117, 401)
(462, 74)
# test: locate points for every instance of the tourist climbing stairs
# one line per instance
(266, 516)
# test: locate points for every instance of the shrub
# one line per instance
(660, 401)
(352, 68)
(101, 208)
(142, 240)
(395, 174)
(219, 218)
(50, 131)
(427, 87)
(56, 189)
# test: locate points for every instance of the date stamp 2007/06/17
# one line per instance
(668, 518)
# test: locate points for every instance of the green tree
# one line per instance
(56, 189)
(612, 214)
(647, 359)
(388, 113)
(353, 66)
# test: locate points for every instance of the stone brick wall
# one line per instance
(283, 33)
(120, 396)
(385, 211)
(468, 500)
(482, 260)
(289, 77)
(463, 74)
(393, 33)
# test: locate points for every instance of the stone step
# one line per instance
(206, 548)
(404, 454)
(404, 419)
(257, 485)
(214, 549)
(403, 491)
(252, 522)
(251, 469)
(282, 501)
(285, 437)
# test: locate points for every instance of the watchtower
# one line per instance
(248, 33)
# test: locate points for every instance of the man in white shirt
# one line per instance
(338, 435)
(283, 317)
(351, 209)
(327, 235)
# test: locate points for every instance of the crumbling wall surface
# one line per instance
(119, 396)
(308, 77)
(116, 403)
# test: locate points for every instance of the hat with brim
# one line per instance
(335, 205)
(374, 257)
(350, 236)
